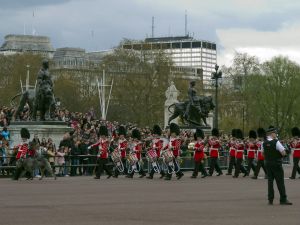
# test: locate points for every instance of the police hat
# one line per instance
(271, 129)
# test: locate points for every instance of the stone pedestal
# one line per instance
(44, 129)
(171, 95)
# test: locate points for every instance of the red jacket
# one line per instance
(295, 145)
(174, 145)
(157, 145)
(214, 146)
(240, 147)
(22, 151)
(232, 150)
(137, 148)
(199, 151)
(122, 146)
(251, 150)
(103, 145)
(260, 155)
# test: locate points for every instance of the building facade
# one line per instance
(185, 51)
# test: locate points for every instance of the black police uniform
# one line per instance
(273, 161)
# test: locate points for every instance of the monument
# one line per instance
(41, 102)
(171, 95)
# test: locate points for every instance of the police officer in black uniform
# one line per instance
(273, 152)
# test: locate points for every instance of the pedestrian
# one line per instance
(274, 152)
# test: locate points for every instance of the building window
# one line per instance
(196, 44)
(176, 45)
(186, 44)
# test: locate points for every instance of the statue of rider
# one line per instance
(193, 100)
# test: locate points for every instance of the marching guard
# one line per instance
(240, 148)
(232, 152)
(261, 133)
(135, 154)
(122, 148)
(214, 146)
(174, 147)
(22, 152)
(251, 151)
(295, 145)
(199, 155)
(157, 145)
(102, 156)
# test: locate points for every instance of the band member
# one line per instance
(214, 146)
(22, 152)
(199, 155)
(232, 152)
(295, 145)
(261, 133)
(102, 155)
(122, 147)
(174, 145)
(251, 151)
(157, 145)
(240, 148)
(136, 148)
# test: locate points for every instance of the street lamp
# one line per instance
(216, 76)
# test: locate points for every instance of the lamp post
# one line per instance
(216, 76)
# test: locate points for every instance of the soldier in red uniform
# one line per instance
(295, 145)
(199, 154)
(122, 147)
(136, 148)
(102, 156)
(261, 133)
(157, 145)
(240, 148)
(251, 151)
(232, 151)
(214, 146)
(22, 152)
(174, 145)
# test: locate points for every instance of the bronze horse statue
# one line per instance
(196, 116)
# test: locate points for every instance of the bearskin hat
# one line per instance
(239, 134)
(103, 131)
(174, 128)
(122, 130)
(136, 134)
(233, 132)
(252, 134)
(261, 132)
(215, 132)
(25, 133)
(199, 133)
(156, 130)
(295, 132)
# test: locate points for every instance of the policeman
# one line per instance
(274, 151)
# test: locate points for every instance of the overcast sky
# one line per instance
(260, 27)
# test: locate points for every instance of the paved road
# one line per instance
(83, 200)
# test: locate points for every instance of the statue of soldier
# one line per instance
(193, 100)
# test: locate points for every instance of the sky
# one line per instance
(264, 28)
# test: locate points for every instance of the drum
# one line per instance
(151, 155)
(116, 156)
(132, 158)
(167, 156)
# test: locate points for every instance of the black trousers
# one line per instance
(250, 166)
(162, 172)
(176, 168)
(214, 164)
(102, 166)
(275, 172)
(260, 164)
(295, 167)
(231, 164)
(239, 168)
(139, 168)
(199, 166)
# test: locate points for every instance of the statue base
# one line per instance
(44, 129)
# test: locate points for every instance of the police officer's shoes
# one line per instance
(286, 203)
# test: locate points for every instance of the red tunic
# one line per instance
(240, 147)
(137, 148)
(232, 149)
(214, 146)
(251, 150)
(174, 145)
(199, 151)
(103, 145)
(260, 155)
(22, 151)
(157, 145)
(295, 145)
(122, 146)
